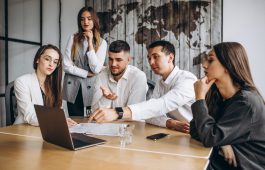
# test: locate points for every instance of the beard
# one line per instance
(118, 73)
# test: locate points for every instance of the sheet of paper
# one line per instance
(106, 129)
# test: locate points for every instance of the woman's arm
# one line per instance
(68, 65)
(24, 102)
(233, 127)
(96, 59)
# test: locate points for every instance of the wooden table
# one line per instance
(21, 147)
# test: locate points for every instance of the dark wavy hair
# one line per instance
(233, 57)
(52, 84)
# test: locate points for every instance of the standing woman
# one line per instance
(84, 57)
(43, 87)
(229, 112)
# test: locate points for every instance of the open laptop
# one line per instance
(54, 129)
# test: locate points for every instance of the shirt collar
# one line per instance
(124, 76)
(170, 76)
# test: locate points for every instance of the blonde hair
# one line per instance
(79, 38)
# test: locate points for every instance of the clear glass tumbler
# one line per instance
(126, 135)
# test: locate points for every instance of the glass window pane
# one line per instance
(20, 59)
(2, 66)
(2, 18)
(23, 20)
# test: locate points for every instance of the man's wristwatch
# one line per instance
(119, 111)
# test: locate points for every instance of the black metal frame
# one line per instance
(7, 39)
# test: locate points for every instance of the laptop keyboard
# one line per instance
(80, 140)
(79, 143)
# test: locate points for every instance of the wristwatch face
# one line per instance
(119, 111)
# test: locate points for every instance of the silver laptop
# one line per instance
(54, 129)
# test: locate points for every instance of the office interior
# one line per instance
(242, 21)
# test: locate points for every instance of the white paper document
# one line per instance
(107, 129)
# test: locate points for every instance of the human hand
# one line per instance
(202, 86)
(103, 115)
(228, 154)
(90, 74)
(70, 122)
(88, 35)
(178, 125)
(108, 94)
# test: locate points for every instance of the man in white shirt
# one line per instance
(119, 84)
(172, 97)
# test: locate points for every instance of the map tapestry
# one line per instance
(192, 26)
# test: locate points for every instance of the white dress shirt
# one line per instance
(171, 98)
(28, 93)
(95, 60)
(131, 88)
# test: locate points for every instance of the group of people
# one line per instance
(223, 110)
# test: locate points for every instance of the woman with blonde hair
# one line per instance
(84, 57)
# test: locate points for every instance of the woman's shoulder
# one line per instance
(72, 35)
(26, 77)
(103, 41)
(250, 97)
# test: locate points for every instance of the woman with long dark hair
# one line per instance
(84, 57)
(43, 87)
(229, 112)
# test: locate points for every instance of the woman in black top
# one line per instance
(229, 112)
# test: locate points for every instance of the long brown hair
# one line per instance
(233, 57)
(78, 37)
(52, 84)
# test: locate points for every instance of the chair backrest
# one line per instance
(151, 86)
(11, 104)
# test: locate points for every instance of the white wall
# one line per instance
(243, 21)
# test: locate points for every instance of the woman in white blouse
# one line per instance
(84, 57)
(43, 87)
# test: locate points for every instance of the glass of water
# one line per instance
(126, 135)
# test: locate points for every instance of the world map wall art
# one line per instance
(192, 26)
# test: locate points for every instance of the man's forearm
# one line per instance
(127, 113)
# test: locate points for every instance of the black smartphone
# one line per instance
(157, 136)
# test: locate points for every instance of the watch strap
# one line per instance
(119, 111)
